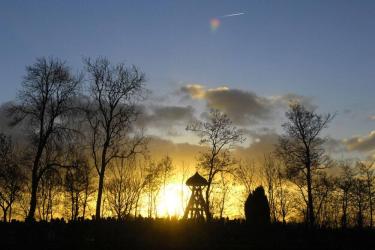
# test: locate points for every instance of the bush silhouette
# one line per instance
(257, 210)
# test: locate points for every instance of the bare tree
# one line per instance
(140, 174)
(49, 191)
(43, 102)
(77, 187)
(277, 187)
(282, 192)
(114, 91)
(345, 182)
(50, 185)
(270, 170)
(358, 193)
(245, 173)
(153, 182)
(301, 148)
(224, 193)
(220, 136)
(323, 187)
(123, 189)
(167, 168)
(11, 177)
(184, 175)
(367, 173)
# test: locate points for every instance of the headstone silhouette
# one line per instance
(197, 206)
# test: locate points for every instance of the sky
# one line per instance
(320, 51)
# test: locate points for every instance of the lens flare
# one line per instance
(214, 23)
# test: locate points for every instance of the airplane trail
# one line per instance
(233, 14)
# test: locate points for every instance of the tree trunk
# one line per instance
(100, 192)
(35, 181)
(310, 208)
(85, 202)
(344, 208)
(5, 215)
(76, 208)
(101, 176)
(10, 213)
(34, 187)
(370, 203)
(208, 212)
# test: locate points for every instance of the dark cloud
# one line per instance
(4, 116)
(20, 132)
(172, 113)
(334, 146)
(243, 107)
(165, 117)
(261, 144)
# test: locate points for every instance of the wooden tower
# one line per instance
(197, 206)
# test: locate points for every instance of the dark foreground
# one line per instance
(166, 234)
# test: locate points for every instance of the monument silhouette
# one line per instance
(197, 206)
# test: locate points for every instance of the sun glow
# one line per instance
(172, 200)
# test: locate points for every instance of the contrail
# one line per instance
(233, 14)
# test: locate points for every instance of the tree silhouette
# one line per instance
(167, 171)
(111, 111)
(153, 180)
(123, 188)
(344, 183)
(11, 177)
(359, 192)
(257, 210)
(77, 187)
(368, 174)
(49, 191)
(301, 149)
(44, 101)
(270, 169)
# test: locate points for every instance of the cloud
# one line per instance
(194, 91)
(179, 152)
(173, 113)
(334, 146)
(361, 143)
(287, 99)
(165, 118)
(4, 117)
(371, 117)
(262, 143)
(17, 132)
(242, 107)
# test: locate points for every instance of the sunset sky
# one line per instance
(198, 55)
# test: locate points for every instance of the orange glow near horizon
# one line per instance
(172, 200)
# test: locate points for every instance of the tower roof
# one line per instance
(196, 180)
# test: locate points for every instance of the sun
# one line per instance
(172, 200)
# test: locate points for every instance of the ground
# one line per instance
(171, 234)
